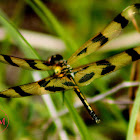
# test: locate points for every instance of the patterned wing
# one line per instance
(86, 74)
(30, 64)
(44, 86)
(111, 31)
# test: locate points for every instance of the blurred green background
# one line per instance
(62, 29)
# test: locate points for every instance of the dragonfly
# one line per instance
(65, 77)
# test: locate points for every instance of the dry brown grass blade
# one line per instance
(135, 76)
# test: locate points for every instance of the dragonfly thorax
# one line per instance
(62, 68)
(66, 69)
(57, 70)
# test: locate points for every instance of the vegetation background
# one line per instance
(52, 27)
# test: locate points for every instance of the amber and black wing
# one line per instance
(111, 31)
(44, 86)
(31, 64)
(86, 74)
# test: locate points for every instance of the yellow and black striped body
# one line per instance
(66, 78)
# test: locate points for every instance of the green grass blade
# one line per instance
(77, 119)
(49, 20)
(134, 113)
(46, 16)
(23, 44)
(30, 52)
(18, 38)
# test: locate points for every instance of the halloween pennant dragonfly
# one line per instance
(65, 77)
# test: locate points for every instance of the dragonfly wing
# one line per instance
(59, 84)
(44, 86)
(30, 64)
(86, 74)
(111, 31)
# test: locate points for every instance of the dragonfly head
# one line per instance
(61, 66)
(55, 59)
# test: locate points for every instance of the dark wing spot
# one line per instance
(83, 51)
(69, 84)
(54, 89)
(9, 60)
(100, 37)
(103, 62)
(85, 67)
(69, 76)
(20, 91)
(108, 69)
(137, 5)
(86, 77)
(122, 20)
(47, 63)
(133, 54)
(3, 96)
(32, 64)
(104, 41)
(97, 38)
(43, 83)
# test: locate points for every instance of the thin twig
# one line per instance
(122, 102)
(112, 91)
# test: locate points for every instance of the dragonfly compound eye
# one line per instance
(55, 59)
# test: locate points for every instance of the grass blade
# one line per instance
(49, 20)
(46, 16)
(29, 52)
(134, 113)
(78, 121)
